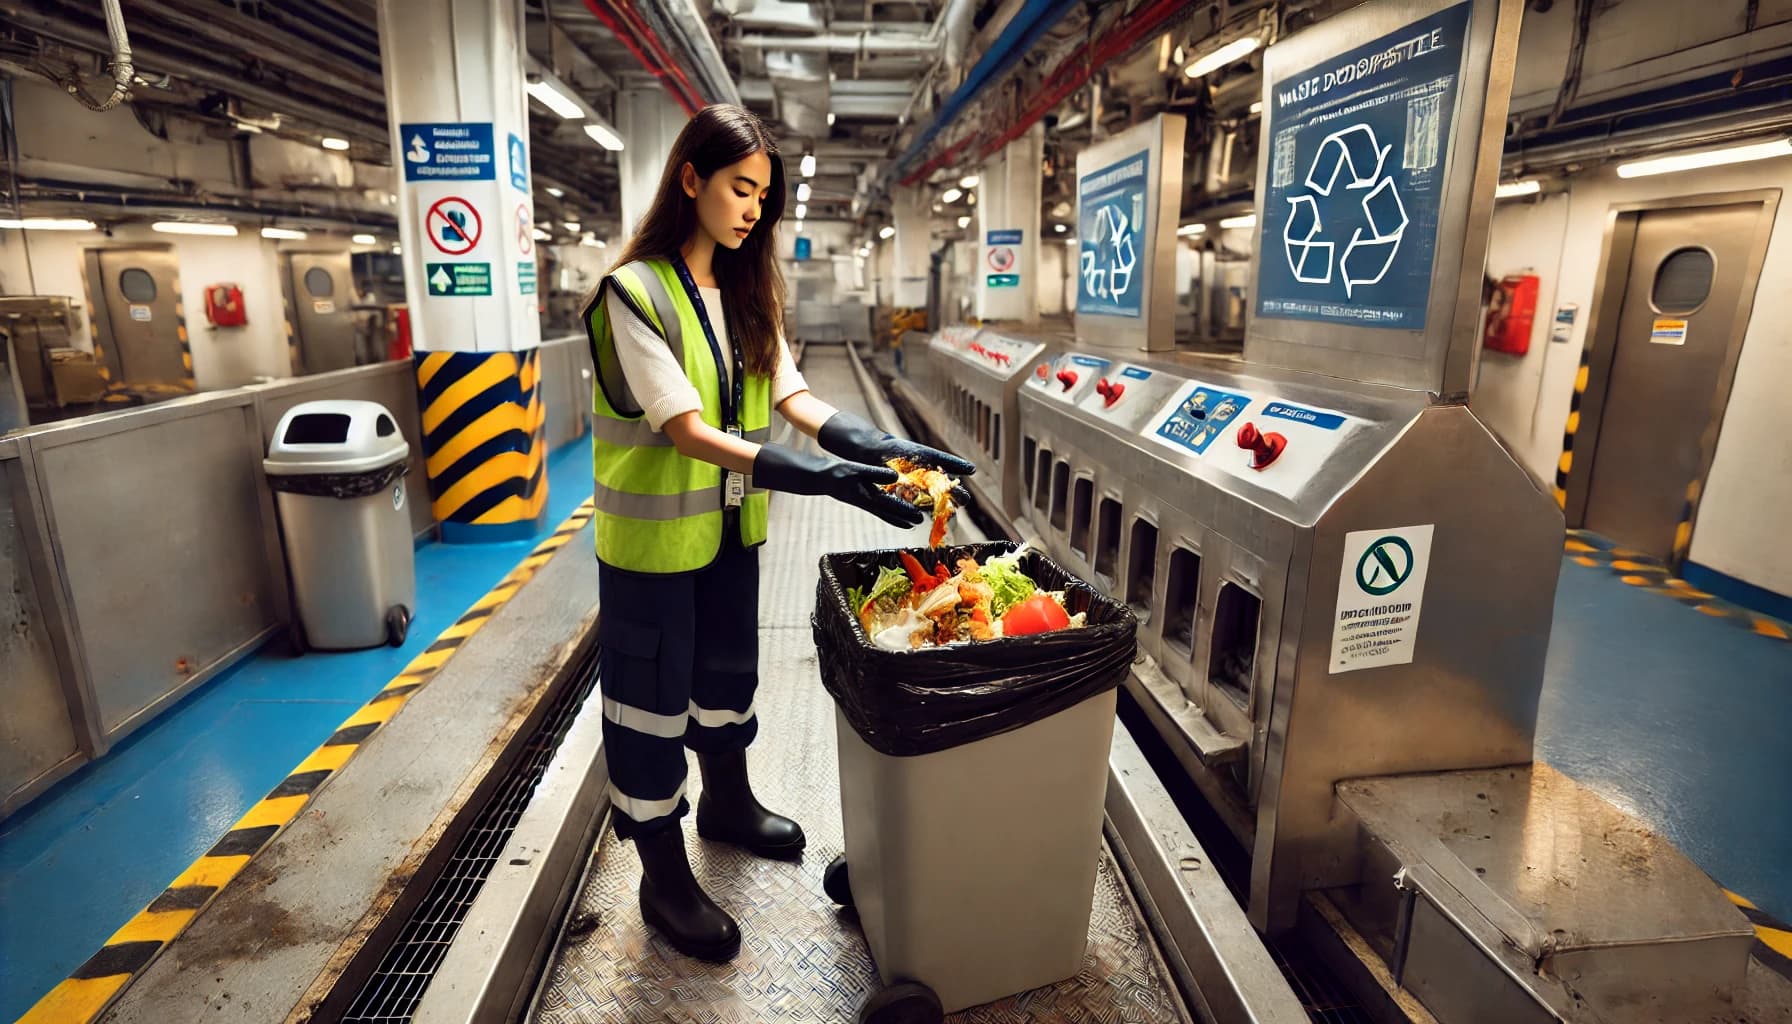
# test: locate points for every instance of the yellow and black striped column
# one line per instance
(484, 443)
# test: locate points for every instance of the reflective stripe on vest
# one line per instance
(658, 511)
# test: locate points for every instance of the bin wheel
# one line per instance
(836, 883)
(398, 625)
(906, 1002)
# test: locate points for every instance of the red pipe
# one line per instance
(627, 8)
(614, 21)
(1076, 69)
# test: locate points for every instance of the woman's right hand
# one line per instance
(777, 468)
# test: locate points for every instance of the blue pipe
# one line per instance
(1033, 21)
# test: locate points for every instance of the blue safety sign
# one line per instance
(1311, 417)
(1110, 276)
(1359, 146)
(1201, 417)
(459, 151)
(1003, 237)
(804, 247)
(1135, 373)
(519, 165)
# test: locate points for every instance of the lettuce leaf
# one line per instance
(1011, 586)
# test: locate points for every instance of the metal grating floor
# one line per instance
(397, 986)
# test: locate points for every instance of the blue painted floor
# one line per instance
(1675, 716)
(83, 858)
(1682, 719)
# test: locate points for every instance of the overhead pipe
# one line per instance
(864, 44)
(121, 69)
(659, 64)
(686, 22)
(644, 33)
(1022, 31)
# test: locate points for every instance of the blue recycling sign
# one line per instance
(1110, 276)
(454, 151)
(1359, 147)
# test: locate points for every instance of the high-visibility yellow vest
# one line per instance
(659, 511)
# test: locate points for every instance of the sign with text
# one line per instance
(454, 151)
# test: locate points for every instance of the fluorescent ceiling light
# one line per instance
(48, 224)
(284, 233)
(964, 222)
(552, 98)
(363, 240)
(952, 195)
(573, 226)
(1177, 56)
(336, 144)
(397, 250)
(600, 243)
(802, 210)
(802, 192)
(808, 165)
(1248, 220)
(557, 193)
(969, 181)
(1509, 189)
(830, 120)
(590, 241)
(1708, 158)
(887, 232)
(541, 236)
(799, 227)
(1191, 230)
(604, 137)
(1257, 107)
(1059, 228)
(184, 227)
(1237, 49)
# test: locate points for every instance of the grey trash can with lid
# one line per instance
(337, 469)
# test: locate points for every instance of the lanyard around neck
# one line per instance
(734, 396)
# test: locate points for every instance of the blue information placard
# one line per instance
(804, 247)
(1201, 417)
(1359, 146)
(519, 165)
(1135, 373)
(456, 151)
(1004, 237)
(1111, 238)
(1299, 414)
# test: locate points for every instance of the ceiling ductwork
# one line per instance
(800, 93)
(778, 15)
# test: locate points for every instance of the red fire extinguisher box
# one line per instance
(1510, 314)
(224, 306)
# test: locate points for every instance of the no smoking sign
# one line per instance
(525, 231)
(453, 226)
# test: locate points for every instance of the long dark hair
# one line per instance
(752, 285)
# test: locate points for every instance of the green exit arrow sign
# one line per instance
(455, 279)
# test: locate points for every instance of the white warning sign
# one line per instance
(1381, 589)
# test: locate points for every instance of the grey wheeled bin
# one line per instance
(971, 785)
(337, 469)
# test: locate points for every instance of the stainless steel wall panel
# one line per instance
(160, 526)
(562, 384)
(39, 740)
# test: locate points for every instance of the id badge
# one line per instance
(736, 492)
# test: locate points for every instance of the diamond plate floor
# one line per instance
(802, 959)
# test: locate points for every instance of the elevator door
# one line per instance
(142, 296)
(321, 292)
(1675, 332)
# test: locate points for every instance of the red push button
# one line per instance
(1067, 378)
(1044, 372)
(1110, 393)
(1264, 448)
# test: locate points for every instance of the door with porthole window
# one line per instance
(1659, 401)
(142, 336)
(319, 300)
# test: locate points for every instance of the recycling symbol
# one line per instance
(1354, 157)
(1109, 258)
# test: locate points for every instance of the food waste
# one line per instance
(913, 607)
(925, 488)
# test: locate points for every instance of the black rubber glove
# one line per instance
(850, 437)
(785, 469)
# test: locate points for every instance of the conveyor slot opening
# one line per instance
(1029, 451)
(1234, 650)
(1060, 494)
(1141, 568)
(1042, 496)
(995, 439)
(1082, 506)
(1182, 599)
(1107, 541)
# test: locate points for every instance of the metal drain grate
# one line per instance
(397, 986)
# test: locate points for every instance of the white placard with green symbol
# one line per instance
(1381, 588)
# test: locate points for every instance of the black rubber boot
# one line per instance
(729, 813)
(673, 904)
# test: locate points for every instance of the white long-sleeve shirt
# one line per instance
(657, 379)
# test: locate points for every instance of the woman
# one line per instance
(690, 364)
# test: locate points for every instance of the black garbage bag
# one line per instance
(906, 703)
(341, 485)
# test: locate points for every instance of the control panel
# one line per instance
(1275, 444)
(1068, 377)
(1127, 395)
(1002, 356)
